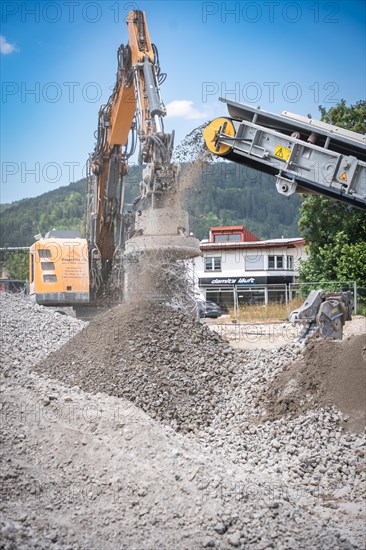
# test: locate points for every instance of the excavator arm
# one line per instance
(133, 114)
(154, 232)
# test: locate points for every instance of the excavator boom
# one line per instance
(155, 223)
(133, 115)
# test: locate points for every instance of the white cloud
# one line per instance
(5, 46)
(183, 108)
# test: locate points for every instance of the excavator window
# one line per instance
(48, 266)
(49, 279)
(44, 253)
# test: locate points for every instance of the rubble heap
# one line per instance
(85, 468)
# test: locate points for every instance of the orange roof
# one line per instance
(247, 236)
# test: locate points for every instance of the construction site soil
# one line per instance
(146, 429)
(156, 357)
(330, 373)
(180, 372)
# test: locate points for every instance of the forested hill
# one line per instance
(221, 194)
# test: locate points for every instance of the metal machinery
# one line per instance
(59, 269)
(134, 113)
(305, 156)
(323, 314)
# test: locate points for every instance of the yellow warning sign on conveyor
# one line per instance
(282, 153)
(343, 177)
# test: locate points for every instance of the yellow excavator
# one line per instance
(68, 270)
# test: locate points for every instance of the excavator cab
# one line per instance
(59, 269)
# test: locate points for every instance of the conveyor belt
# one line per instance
(304, 155)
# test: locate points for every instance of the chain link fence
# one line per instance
(302, 290)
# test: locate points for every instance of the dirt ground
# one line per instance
(258, 335)
(330, 372)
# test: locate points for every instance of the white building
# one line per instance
(238, 267)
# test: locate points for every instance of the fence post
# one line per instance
(355, 297)
(235, 296)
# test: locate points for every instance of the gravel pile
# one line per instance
(330, 372)
(311, 450)
(167, 363)
(180, 372)
(238, 475)
(30, 331)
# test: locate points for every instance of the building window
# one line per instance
(213, 264)
(290, 262)
(235, 237)
(275, 262)
(254, 262)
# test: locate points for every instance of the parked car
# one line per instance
(208, 309)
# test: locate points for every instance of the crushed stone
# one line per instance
(90, 469)
(166, 362)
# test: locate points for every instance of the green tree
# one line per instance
(17, 265)
(351, 118)
(220, 194)
(335, 233)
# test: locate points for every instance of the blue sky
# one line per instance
(58, 65)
